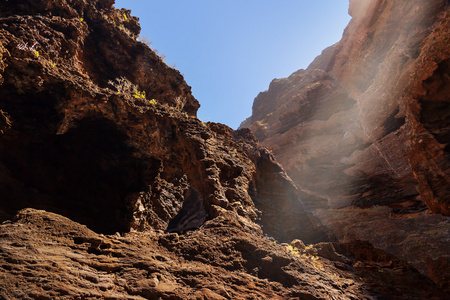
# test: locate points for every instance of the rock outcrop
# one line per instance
(367, 124)
(95, 126)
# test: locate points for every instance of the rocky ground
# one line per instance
(47, 256)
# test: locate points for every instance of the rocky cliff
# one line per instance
(367, 126)
(97, 127)
(111, 188)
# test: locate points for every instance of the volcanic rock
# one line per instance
(95, 126)
(47, 256)
(367, 124)
(346, 129)
(111, 188)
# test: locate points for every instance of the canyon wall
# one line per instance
(366, 125)
(97, 127)
(111, 188)
(367, 122)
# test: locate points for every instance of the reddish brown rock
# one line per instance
(97, 127)
(345, 129)
(418, 238)
(137, 198)
(47, 256)
(367, 124)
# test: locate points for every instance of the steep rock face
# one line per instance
(344, 129)
(304, 131)
(367, 123)
(95, 126)
(396, 53)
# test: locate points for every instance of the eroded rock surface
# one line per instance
(95, 126)
(133, 197)
(47, 256)
(346, 129)
(367, 124)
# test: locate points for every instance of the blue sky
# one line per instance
(230, 50)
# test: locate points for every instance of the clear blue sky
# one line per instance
(230, 50)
